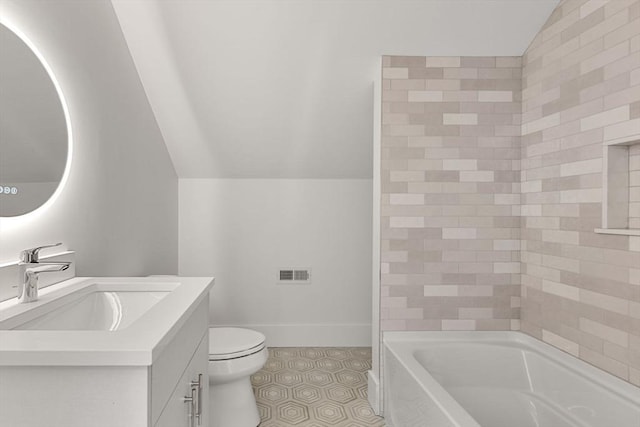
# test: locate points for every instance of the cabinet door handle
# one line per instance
(191, 401)
(198, 399)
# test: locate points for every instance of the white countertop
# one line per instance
(137, 345)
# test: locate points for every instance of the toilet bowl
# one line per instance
(234, 355)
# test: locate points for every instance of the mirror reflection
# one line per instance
(33, 129)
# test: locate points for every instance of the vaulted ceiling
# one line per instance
(283, 88)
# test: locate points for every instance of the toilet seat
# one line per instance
(232, 343)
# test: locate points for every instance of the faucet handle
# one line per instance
(32, 255)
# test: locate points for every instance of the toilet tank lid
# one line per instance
(228, 341)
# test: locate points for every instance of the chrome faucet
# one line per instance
(29, 269)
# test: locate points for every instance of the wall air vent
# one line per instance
(295, 276)
(301, 275)
(286, 275)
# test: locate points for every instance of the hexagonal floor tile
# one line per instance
(330, 413)
(339, 393)
(361, 352)
(318, 378)
(361, 411)
(287, 377)
(338, 353)
(307, 393)
(285, 352)
(261, 378)
(363, 391)
(311, 353)
(265, 411)
(329, 365)
(315, 387)
(274, 365)
(359, 365)
(300, 365)
(272, 393)
(293, 413)
(349, 378)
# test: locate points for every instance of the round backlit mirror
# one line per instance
(35, 136)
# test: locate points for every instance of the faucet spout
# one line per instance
(48, 267)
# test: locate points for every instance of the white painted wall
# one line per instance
(119, 209)
(281, 88)
(243, 231)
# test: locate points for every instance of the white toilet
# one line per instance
(234, 355)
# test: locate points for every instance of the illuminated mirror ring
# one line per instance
(35, 129)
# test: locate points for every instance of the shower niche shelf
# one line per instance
(621, 187)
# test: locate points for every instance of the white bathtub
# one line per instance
(497, 379)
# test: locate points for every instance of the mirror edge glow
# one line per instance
(24, 218)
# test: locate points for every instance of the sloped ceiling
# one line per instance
(283, 88)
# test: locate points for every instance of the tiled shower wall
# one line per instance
(450, 193)
(634, 182)
(581, 86)
(451, 220)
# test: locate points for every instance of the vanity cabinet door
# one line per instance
(180, 412)
(170, 366)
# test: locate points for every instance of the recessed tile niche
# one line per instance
(621, 187)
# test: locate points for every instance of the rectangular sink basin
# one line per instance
(100, 321)
(97, 311)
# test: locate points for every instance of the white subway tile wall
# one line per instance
(580, 289)
(450, 183)
(492, 188)
(634, 181)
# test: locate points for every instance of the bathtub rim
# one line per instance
(402, 344)
(404, 353)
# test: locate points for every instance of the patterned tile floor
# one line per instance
(315, 387)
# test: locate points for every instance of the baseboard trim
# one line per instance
(373, 392)
(314, 335)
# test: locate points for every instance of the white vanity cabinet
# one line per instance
(194, 385)
(179, 374)
(135, 377)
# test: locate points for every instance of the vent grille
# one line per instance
(300, 275)
(295, 275)
(286, 274)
